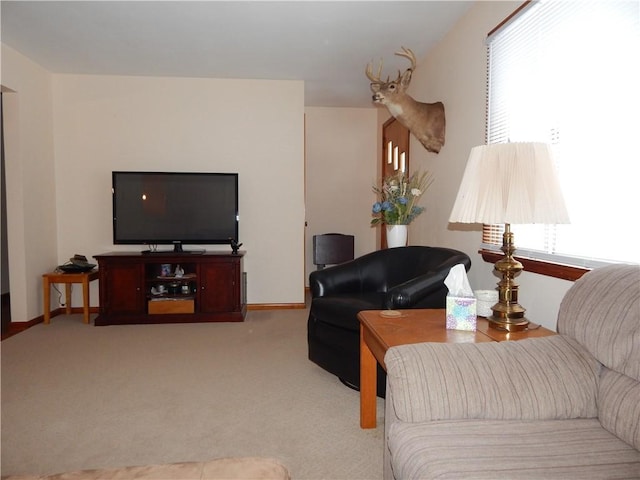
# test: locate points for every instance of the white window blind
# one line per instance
(568, 73)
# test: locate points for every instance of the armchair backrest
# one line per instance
(384, 269)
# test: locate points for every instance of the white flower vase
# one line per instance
(396, 236)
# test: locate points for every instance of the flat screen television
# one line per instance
(174, 208)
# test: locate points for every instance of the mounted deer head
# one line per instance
(426, 121)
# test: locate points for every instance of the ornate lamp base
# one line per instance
(508, 314)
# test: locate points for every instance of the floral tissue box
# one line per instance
(461, 313)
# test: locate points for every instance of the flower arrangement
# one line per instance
(398, 196)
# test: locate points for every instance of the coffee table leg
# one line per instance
(368, 373)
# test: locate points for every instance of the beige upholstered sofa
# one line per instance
(241, 468)
(561, 407)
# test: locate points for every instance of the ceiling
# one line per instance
(325, 43)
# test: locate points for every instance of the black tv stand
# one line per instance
(177, 248)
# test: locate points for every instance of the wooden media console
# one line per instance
(144, 287)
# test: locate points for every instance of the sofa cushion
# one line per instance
(493, 449)
(541, 378)
(619, 406)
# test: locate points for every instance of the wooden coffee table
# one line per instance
(378, 333)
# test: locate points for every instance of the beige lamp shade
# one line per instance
(514, 183)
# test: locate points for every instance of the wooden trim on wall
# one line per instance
(276, 306)
(19, 327)
(556, 270)
(508, 19)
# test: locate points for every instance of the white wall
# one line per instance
(455, 73)
(341, 159)
(255, 128)
(59, 192)
(30, 189)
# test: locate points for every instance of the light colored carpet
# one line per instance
(76, 396)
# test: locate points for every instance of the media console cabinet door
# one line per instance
(219, 283)
(121, 287)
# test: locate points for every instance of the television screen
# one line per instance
(158, 208)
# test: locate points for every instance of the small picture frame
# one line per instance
(165, 270)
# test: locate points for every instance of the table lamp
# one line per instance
(509, 183)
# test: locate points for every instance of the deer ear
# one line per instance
(406, 77)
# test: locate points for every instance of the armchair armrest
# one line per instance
(343, 278)
(409, 293)
(541, 378)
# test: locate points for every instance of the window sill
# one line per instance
(556, 270)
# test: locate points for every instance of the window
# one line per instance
(567, 73)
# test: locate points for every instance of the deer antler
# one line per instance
(369, 73)
(407, 53)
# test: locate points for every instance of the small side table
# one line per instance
(67, 278)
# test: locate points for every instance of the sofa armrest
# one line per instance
(541, 378)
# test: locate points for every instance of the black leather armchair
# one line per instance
(395, 278)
